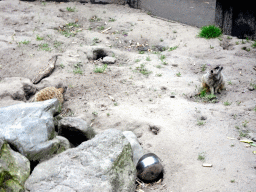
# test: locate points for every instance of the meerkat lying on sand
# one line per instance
(213, 80)
(50, 93)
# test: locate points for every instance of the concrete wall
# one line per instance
(192, 12)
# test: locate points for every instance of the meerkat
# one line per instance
(213, 80)
(50, 93)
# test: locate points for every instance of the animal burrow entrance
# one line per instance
(99, 54)
(154, 129)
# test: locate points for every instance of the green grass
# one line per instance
(161, 40)
(254, 44)
(137, 60)
(173, 48)
(100, 69)
(205, 97)
(56, 44)
(162, 57)
(72, 25)
(178, 74)
(229, 83)
(77, 69)
(95, 18)
(232, 181)
(242, 134)
(203, 92)
(200, 123)
(70, 9)
(245, 123)
(115, 103)
(38, 38)
(25, 42)
(45, 47)
(226, 103)
(67, 33)
(148, 59)
(101, 28)
(210, 31)
(246, 49)
(141, 52)
(253, 85)
(95, 113)
(201, 156)
(203, 67)
(143, 70)
(62, 66)
(111, 19)
(158, 66)
(159, 75)
(69, 29)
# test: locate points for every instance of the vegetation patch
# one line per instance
(210, 31)
(69, 30)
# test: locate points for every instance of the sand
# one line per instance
(125, 99)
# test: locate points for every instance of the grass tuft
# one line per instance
(210, 31)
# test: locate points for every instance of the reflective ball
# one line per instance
(149, 167)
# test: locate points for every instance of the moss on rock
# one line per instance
(14, 169)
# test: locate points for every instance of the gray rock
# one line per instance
(29, 128)
(7, 101)
(136, 148)
(74, 129)
(18, 88)
(14, 169)
(109, 60)
(103, 163)
(63, 143)
(141, 48)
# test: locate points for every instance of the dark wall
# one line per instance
(236, 19)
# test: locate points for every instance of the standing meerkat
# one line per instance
(213, 80)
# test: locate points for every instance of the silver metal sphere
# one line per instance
(149, 167)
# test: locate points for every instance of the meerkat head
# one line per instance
(216, 70)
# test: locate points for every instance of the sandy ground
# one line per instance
(125, 99)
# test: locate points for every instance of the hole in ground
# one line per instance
(99, 54)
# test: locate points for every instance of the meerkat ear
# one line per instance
(211, 71)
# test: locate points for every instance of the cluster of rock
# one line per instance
(63, 156)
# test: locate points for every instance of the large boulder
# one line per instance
(18, 88)
(136, 147)
(103, 163)
(29, 128)
(14, 169)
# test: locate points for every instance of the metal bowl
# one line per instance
(149, 167)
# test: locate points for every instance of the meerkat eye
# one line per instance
(211, 71)
(217, 67)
